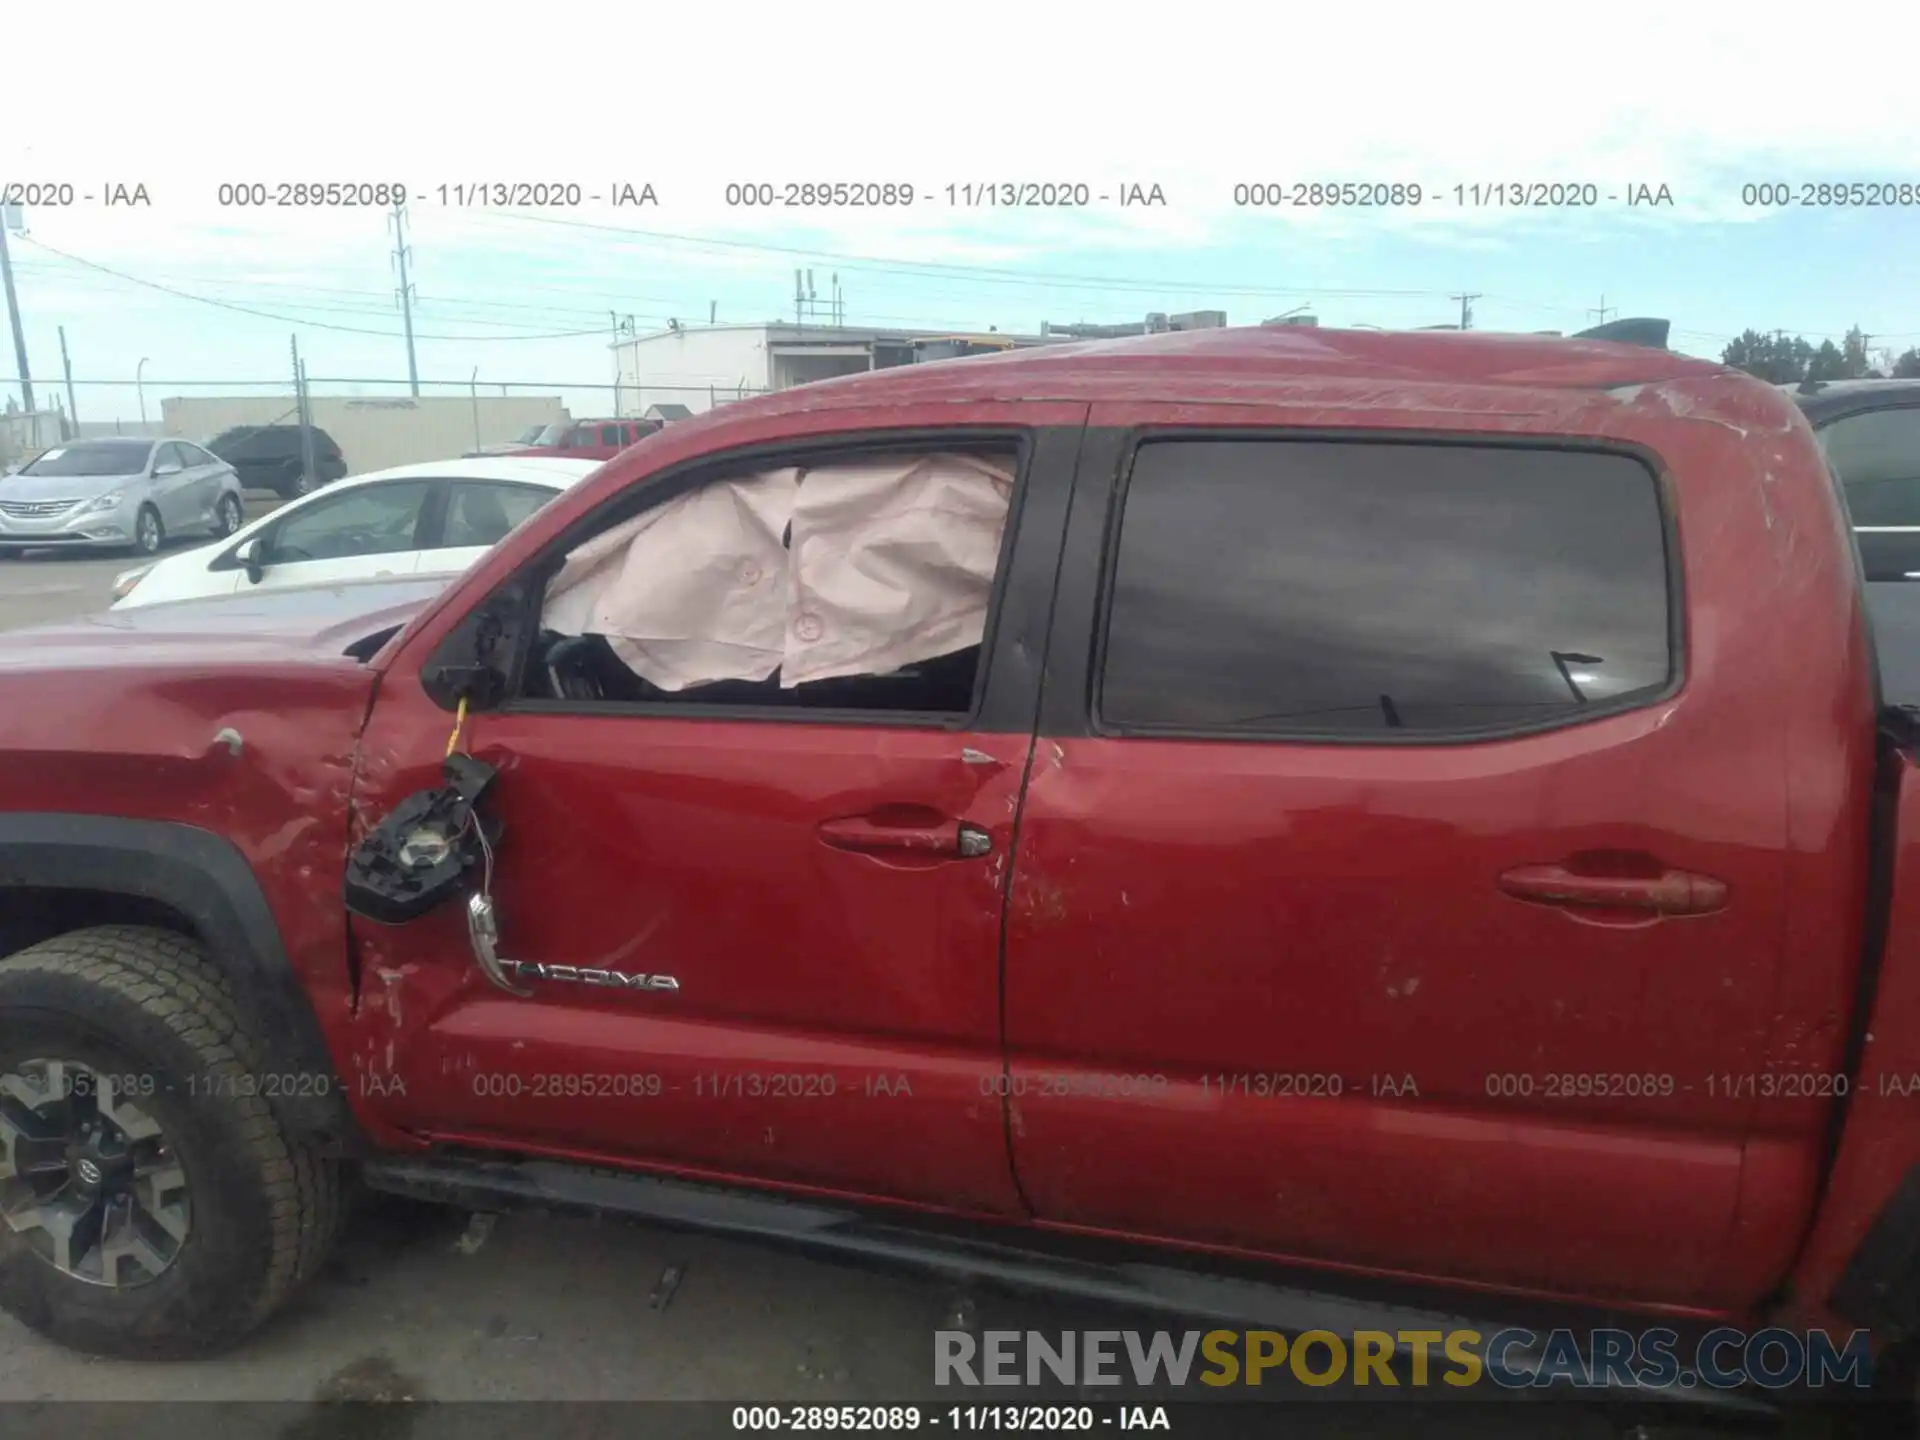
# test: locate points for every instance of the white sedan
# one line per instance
(431, 519)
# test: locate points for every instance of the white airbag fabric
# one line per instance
(891, 562)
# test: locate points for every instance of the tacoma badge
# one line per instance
(581, 975)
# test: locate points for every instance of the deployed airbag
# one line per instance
(885, 562)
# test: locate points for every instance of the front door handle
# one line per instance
(882, 835)
(1672, 892)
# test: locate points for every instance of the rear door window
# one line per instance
(1382, 591)
(485, 512)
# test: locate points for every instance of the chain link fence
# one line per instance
(375, 422)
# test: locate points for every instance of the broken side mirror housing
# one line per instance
(479, 656)
(426, 849)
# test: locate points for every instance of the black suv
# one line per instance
(268, 457)
(1870, 430)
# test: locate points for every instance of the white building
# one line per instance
(703, 366)
(700, 366)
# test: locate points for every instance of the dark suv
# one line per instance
(1870, 431)
(268, 457)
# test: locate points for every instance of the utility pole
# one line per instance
(629, 328)
(613, 318)
(400, 253)
(1466, 308)
(73, 406)
(1604, 311)
(305, 410)
(13, 309)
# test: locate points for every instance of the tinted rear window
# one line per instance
(1342, 590)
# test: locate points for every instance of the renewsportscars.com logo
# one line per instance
(1513, 1359)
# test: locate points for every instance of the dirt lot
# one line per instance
(560, 1310)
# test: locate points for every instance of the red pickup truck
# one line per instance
(1306, 813)
(590, 439)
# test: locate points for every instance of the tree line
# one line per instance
(1785, 359)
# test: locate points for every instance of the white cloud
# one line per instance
(1195, 100)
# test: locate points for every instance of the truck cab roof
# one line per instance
(1248, 363)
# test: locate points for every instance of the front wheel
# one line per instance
(148, 533)
(151, 1203)
(228, 515)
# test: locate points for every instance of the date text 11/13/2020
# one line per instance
(959, 1418)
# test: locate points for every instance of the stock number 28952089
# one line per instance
(570, 1086)
(307, 194)
(826, 1417)
(1073, 1085)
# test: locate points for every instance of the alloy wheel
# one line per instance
(146, 532)
(229, 514)
(87, 1178)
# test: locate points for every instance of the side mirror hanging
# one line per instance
(423, 852)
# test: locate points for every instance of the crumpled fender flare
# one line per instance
(205, 878)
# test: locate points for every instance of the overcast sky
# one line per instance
(1196, 99)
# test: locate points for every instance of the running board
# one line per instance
(490, 1185)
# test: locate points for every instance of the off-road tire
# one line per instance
(131, 1000)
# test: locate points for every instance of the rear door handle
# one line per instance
(876, 835)
(1674, 892)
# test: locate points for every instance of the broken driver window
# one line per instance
(854, 583)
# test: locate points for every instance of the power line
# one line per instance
(221, 282)
(914, 268)
(381, 302)
(663, 318)
(288, 319)
(949, 270)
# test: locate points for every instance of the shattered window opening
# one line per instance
(855, 583)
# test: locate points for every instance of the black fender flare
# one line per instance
(204, 877)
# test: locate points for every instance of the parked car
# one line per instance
(427, 519)
(599, 439)
(115, 494)
(525, 440)
(270, 457)
(1462, 861)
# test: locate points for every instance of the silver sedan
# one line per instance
(118, 494)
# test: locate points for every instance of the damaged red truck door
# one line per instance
(1414, 802)
(822, 888)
